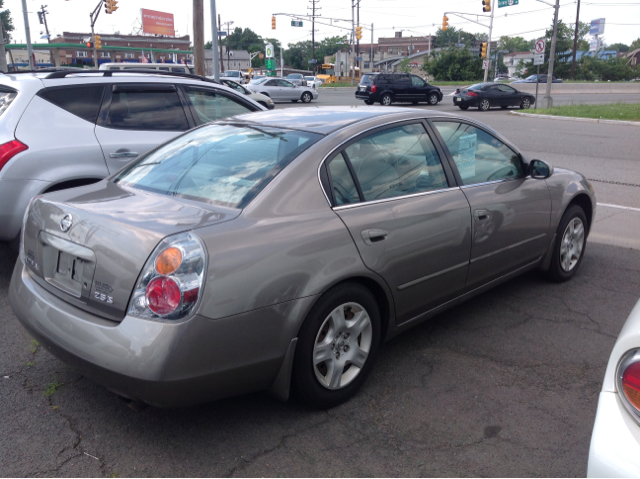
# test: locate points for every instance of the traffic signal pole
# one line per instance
(486, 71)
(547, 101)
(32, 63)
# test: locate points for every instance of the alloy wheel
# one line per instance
(526, 104)
(433, 99)
(386, 100)
(484, 105)
(342, 346)
(572, 244)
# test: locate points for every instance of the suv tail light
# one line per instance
(373, 88)
(472, 93)
(171, 281)
(9, 150)
(628, 382)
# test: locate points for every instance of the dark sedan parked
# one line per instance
(542, 78)
(487, 95)
(388, 88)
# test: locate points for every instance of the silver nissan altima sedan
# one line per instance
(278, 250)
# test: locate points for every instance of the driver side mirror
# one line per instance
(540, 170)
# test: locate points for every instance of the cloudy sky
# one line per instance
(528, 19)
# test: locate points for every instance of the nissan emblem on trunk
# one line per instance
(65, 223)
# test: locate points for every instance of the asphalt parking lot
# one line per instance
(503, 385)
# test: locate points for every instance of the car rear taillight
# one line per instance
(373, 88)
(631, 384)
(472, 93)
(171, 281)
(9, 150)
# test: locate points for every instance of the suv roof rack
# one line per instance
(44, 70)
(62, 73)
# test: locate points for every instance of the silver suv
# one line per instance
(62, 129)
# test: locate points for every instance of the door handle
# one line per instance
(482, 215)
(374, 235)
(123, 154)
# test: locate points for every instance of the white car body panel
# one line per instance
(615, 442)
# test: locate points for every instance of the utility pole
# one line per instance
(371, 50)
(357, 63)
(93, 16)
(229, 23)
(198, 36)
(493, 6)
(281, 63)
(575, 43)
(353, 34)
(313, 32)
(215, 61)
(3, 54)
(547, 101)
(43, 19)
(27, 32)
(220, 27)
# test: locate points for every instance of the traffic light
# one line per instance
(89, 44)
(98, 41)
(445, 23)
(110, 6)
(486, 5)
(273, 22)
(483, 50)
(359, 33)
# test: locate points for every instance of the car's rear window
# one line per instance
(477, 86)
(227, 165)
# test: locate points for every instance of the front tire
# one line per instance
(571, 241)
(484, 105)
(433, 99)
(337, 345)
(306, 97)
(386, 100)
(526, 104)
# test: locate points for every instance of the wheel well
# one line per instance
(584, 202)
(71, 184)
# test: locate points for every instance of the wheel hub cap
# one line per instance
(342, 345)
(572, 244)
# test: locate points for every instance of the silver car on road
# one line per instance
(281, 249)
(279, 89)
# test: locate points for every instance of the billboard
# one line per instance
(597, 27)
(158, 23)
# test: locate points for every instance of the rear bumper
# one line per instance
(615, 442)
(465, 102)
(165, 364)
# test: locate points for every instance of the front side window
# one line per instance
(417, 81)
(506, 89)
(225, 165)
(271, 83)
(146, 110)
(285, 83)
(211, 106)
(479, 156)
(395, 162)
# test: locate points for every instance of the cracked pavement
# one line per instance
(505, 384)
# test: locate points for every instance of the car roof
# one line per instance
(327, 119)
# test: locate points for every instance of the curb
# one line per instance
(571, 118)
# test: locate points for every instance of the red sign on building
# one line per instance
(158, 23)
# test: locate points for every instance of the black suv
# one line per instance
(388, 88)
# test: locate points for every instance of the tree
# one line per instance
(515, 44)
(454, 64)
(619, 47)
(7, 23)
(634, 45)
(404, 65)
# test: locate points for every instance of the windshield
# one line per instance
(309, 78)
(294, 76)
(222, 164)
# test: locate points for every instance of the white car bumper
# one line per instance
(615, 443)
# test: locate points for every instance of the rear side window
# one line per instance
(82, 101)
(147, 110)
(7, 95)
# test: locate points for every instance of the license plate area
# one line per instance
(66, 265)
(458, 99)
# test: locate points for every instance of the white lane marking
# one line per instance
(619, 207)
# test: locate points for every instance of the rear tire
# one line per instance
(337, 345)
(484, 105)
(463, 107)
(368, 102)
(386, 100)
(263, 104)
(571, 241)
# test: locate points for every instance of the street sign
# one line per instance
(507, 3)
(539, 46)
(485, 64)
(313, 60)
(268, 51)
(538, 58)
(222, 34)
(359, 59)
(295, 23)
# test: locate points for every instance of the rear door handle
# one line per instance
(374, 235)
(123, 154)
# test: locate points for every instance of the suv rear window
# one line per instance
(226, 165)
(82, 101)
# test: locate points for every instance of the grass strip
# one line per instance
(609, 111)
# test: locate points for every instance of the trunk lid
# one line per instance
(88, 245)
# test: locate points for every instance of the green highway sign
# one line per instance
(507, 3)
(295, 23)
